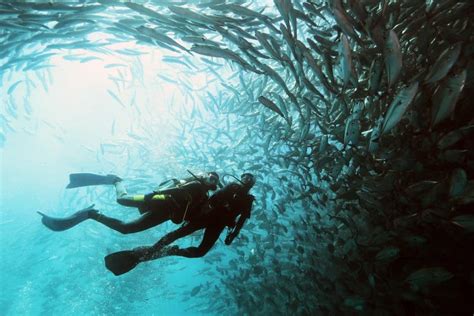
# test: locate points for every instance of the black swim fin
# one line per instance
(60, 224)
(121, 262)
(77, 180)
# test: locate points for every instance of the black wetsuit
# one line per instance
(225, 206)
(176, 204)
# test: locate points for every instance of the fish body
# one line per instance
(191, 15)
(388, 254)
(271, 105)
(398, 106)
(446, 97)
(453, 137)
(352, 130)
(457, 182)
(13, 87)
(393, 58)
(464, 221)
(323, 145)
(160, 37)
(444, 63)
(375, 78)
(262, 39)
(344, 23)
(428, 276)
(318, 71)
(148, 12)
(345, 56)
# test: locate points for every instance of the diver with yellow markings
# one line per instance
(180, 201)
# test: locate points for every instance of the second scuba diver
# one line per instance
(219, 212)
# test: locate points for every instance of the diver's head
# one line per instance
(211, 179)
(248, 180)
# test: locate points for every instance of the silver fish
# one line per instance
(345, 57)
(393, 58)
(444, 63)
(271, 105)
(398, 106)
(446, 97)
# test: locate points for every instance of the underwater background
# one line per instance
(355, 116)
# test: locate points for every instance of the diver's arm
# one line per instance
(235, 232)
(242, 218)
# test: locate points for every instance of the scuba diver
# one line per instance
(219, 212)
(178, 202)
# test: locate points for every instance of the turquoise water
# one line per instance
(355, 117)
(75, 125)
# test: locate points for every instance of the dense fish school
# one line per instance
(355, 115)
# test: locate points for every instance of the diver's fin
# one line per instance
(77, 180)
(60, 224)
(121, 262)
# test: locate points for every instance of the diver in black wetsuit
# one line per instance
(177, 203)
(221, 211)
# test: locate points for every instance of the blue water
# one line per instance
(67, 123)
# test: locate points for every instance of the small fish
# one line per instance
(114, 65)
(453, 137)
(375, 136)
(398, 106)
(387, 255)
(130, 52)
(356, 302)
(345, 56)
(90, 58)
(344, 23)
(271, 105)
(113, 95)
(148, 12)
(375, 75)
(323, 145)
(191, 15)
(465, 221)
(13, 87)
(457, 182)
(176, 60)
(352, 130)
(195, 290)
(444, 63)
(160, 37)
(428, 276)
(446, 97)
(219, 52)
(393, 58)
(315, 11)
(318, 72)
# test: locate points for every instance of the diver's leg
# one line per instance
(146, 221)
(123, 261)
(60, 224)
(141, 201)
(125, 199)
(155, 251)
(211, 234)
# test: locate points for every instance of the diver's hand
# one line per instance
(228, 240)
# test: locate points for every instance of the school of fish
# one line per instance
(354, 115)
